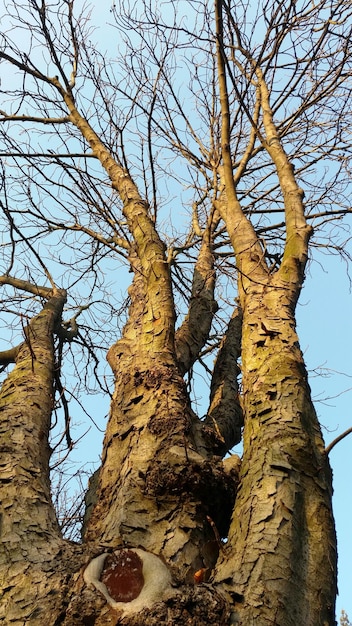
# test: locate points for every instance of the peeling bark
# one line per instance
(282, 539)
(30, 542)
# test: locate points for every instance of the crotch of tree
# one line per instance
(130, 579)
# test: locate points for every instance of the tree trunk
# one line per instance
(35, 562)
(162, 499)
(279, 565)
(160, 488)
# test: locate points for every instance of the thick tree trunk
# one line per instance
(159, 486)
(34, 561)
(162, 497)
(156, 470)
(279, 566)
(280, 561)
(161, 489)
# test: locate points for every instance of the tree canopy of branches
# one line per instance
(195, 156)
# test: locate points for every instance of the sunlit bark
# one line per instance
(164, 498)
(282, 537)
(30, 537)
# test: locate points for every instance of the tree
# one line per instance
(94, 154)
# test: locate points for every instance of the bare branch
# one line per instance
(9, 356)
(25, 285)
(225, 415)
(30, 118)
(337, 440)
(194, 331)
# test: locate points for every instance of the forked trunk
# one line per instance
(159, 488)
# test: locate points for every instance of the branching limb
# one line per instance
(253, 135)
(25, 285)
(25, 67)
(111, 242)
(249, 254)
(26, 399)
(8, 356)
(337, 440)
(194, 331)
(225, 411)
(5, 117)
(297, 230)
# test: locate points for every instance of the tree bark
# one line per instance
(160, 488)
(33, 557)
(157, 464)
(279, 565)
(280, 559)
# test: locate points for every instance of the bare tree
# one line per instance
(235, 116)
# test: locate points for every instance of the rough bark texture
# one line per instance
(161, 486)
(279, 565)
(33, 557)
(282, 539)
(225, 413)
(157, 488)
(194, 331)
(157, 466)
